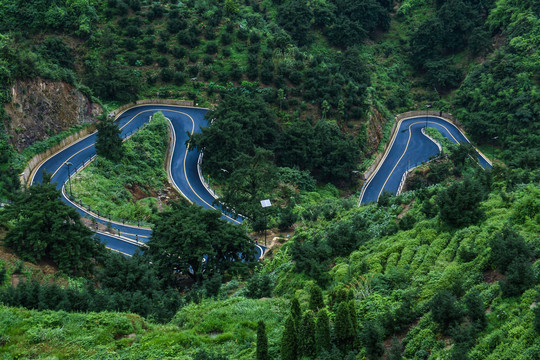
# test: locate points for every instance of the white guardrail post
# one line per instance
(201, 177)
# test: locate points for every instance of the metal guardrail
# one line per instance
(404, 177)
(368, 175)
(201, 177)
(26, 176)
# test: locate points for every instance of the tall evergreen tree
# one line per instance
(316, 301)
(537, 318)
(322, 332)
(372, 339)
(289, 344)
(296, 312)
(394, 353)
(475, 309)
(354, 317)
(354, 323)
(262, 342)
(109, 143)
(343, 328)
(2, 274)
(306, 337)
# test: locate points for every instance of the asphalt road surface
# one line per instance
(183, 170)
(410, 149)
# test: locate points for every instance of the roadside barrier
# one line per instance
(26, 176)
(379, 160)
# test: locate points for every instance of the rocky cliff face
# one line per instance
(375, 128)
(43, 108)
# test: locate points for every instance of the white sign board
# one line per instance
(265, 203)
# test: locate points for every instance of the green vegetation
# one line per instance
(41, 225)
(499, 102)
(447, 270)
(199, 331)
(108, 142)
(192, 241)
(124, 189)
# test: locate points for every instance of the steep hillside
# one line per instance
(304, 95)
(42, 108)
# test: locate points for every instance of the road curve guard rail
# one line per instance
(125, 237)
(380, 160)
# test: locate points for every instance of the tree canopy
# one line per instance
(191, 241)
(42, 226)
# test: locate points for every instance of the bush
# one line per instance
(178, 52)
(287, 218)
(445, 310)
(167, 74)
(259, 286)
(508, 246)
(520, 277)
(179, 78)
(211, 48)
(459, 204)
(163, 62)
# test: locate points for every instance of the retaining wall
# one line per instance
(380, 157)
(26, 175)
(122, 108)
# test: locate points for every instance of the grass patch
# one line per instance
(440, 138)
(21, 160)
(128, 190)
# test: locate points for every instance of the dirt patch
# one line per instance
(274, 240)
(491, 276)
(41, 270)
(214, 333)
(405, 210)
(137, 192)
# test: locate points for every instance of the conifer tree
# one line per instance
(372, 339)
(109, 143)
(316, 301)
(306, 338)
(296, 312)
(537, 318)
(262, 342)
(354, 323)
(289, 344)
(2, 275)
(354, 317)
(343, 328)
(322, 332)
(394, 353)
(475, 309)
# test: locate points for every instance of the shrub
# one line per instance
(445, 310)
(167, 74)
(459, 203)
(211, 48)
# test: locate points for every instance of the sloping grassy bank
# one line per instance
(128, 189)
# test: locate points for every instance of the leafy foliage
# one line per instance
(42, 226)
(194, 242)
(459, 203)
(105, 185)
(109, 143)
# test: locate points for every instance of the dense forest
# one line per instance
(302, 97)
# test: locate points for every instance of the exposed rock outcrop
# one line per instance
(375, 127)
(43, 108)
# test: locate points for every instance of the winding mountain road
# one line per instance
(409, 149)
(183, 170)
